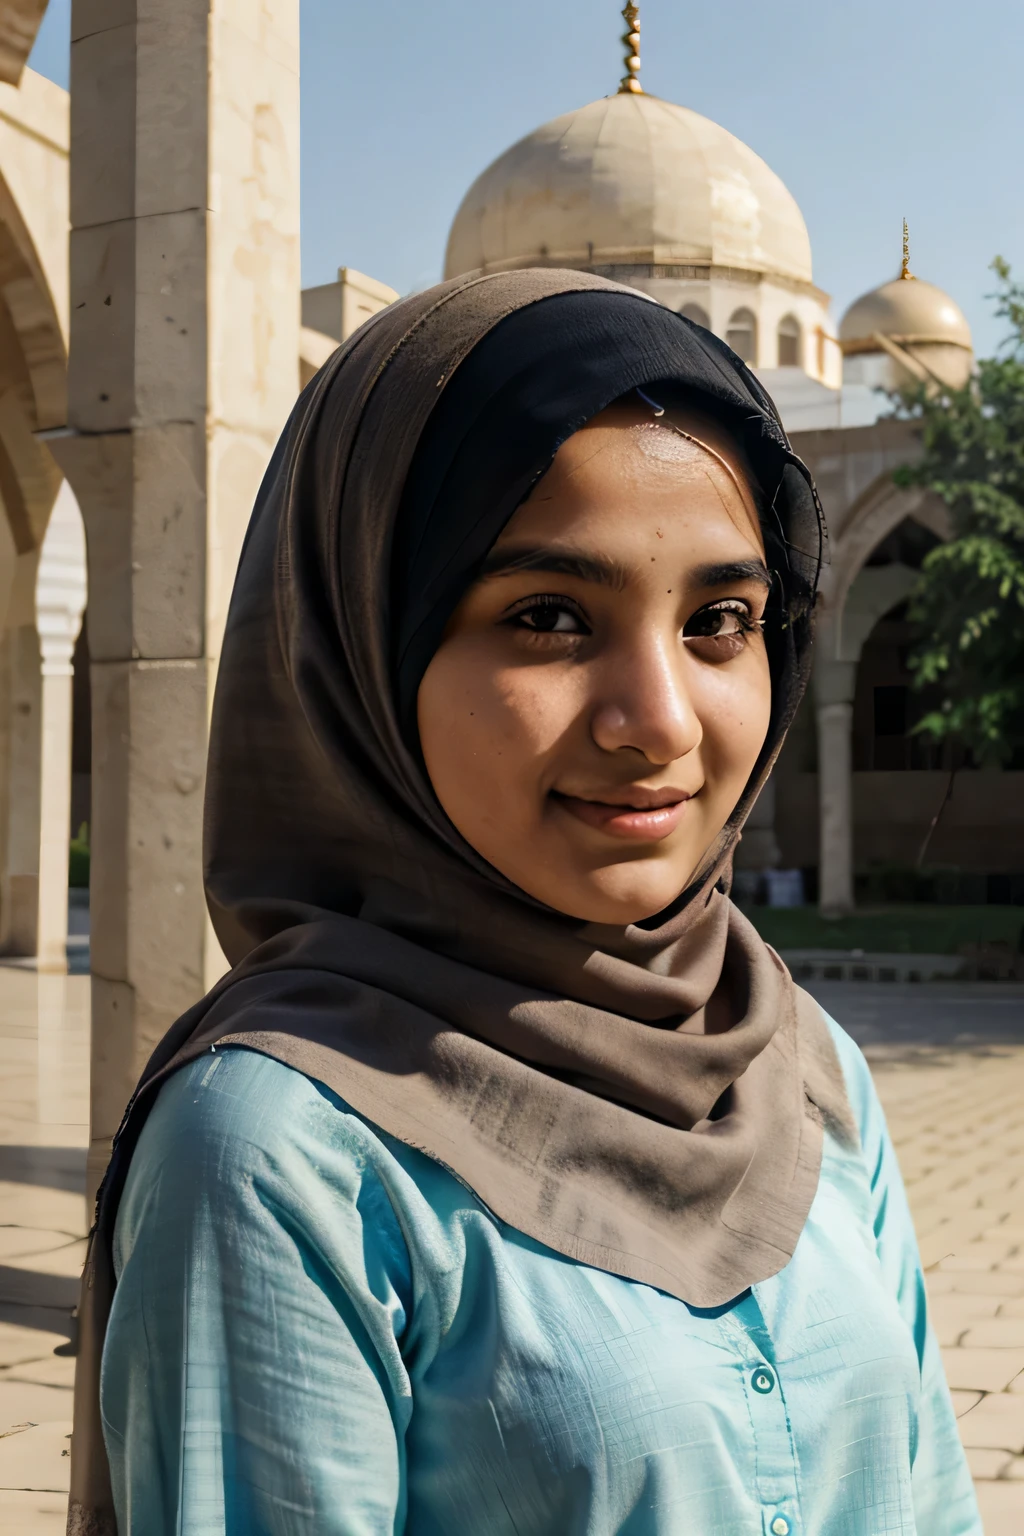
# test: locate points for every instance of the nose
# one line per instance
(646, 705)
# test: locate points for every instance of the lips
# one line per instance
(634, 815)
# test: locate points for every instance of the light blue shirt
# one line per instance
(318, 1331)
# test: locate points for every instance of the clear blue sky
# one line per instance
(868, 111)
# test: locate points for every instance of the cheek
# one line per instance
(488, 731)
(734, 706)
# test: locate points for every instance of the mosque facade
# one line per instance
(629, 186)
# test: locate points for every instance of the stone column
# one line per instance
(19, 871)
(183, 367)
(841, 634)
(759, 847)
(834, 685)
(60, 600)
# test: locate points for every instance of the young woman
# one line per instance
(507, 1186)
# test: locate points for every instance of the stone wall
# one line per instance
(184, 365)
(981, 830)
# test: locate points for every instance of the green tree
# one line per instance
(969, 602)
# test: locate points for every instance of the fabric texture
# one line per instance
(560, 1069)
(437, 1372)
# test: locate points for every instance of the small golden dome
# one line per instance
(907, 311)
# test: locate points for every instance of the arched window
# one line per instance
(790, 337)
(742, 335)
(697, 315)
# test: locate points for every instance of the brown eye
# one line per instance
(549, 616)
(723, 620)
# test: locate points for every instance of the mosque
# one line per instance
(632, 187)
(651, 194)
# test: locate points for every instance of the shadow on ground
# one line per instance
(972, 1017)
(34, 1300)
(50, 1167)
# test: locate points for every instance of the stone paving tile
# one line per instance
(982, 1370)
(34, 1459)
(994, 1282)
(32, 1513)
(65, 1257)
(47, 1371)
(1001, 1502)
(24, 1402)
(19, 1243)
(997, 1422)
(18, 1346)
(985, 1464)
(978, 1255)
(966, 1191)
(44, 1075)
(995, 1333)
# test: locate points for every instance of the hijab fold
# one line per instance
(561, 1070)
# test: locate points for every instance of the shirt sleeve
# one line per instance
(253, 1383)
(944, 1499)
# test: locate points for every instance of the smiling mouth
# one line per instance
(639, 816)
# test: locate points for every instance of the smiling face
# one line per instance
(601, 694)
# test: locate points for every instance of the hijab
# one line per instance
(560, 1069)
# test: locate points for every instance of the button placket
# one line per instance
(776, 1471)
(776, 1464)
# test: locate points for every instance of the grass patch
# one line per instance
(78, 860)
(891, 930)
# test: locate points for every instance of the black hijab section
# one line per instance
(528, 385)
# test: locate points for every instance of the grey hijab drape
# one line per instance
(559, 1069)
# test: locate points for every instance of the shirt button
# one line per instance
(763, 1380)
(780, 1526)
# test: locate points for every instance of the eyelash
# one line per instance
(736, 607)
(554, 604)
(740, 611)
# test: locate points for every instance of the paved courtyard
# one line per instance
(949, 1063)
(44, 1108)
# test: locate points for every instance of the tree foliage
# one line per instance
(969, 602)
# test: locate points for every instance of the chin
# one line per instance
(616, 903)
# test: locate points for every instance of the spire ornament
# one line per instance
(906, 275)
(630, 82)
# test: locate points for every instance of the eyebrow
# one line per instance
(557, 562)
(732, 570)
(610, 573)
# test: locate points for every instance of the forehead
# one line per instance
(626, 470)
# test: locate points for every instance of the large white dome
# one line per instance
(630, 180)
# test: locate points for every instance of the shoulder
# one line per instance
(240, 1140)
(243, 1156)
(246, 1140)
(863, 1096)
(251, 1110)
(856, 1072)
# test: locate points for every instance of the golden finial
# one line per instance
(630, 83)
(905, 272)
